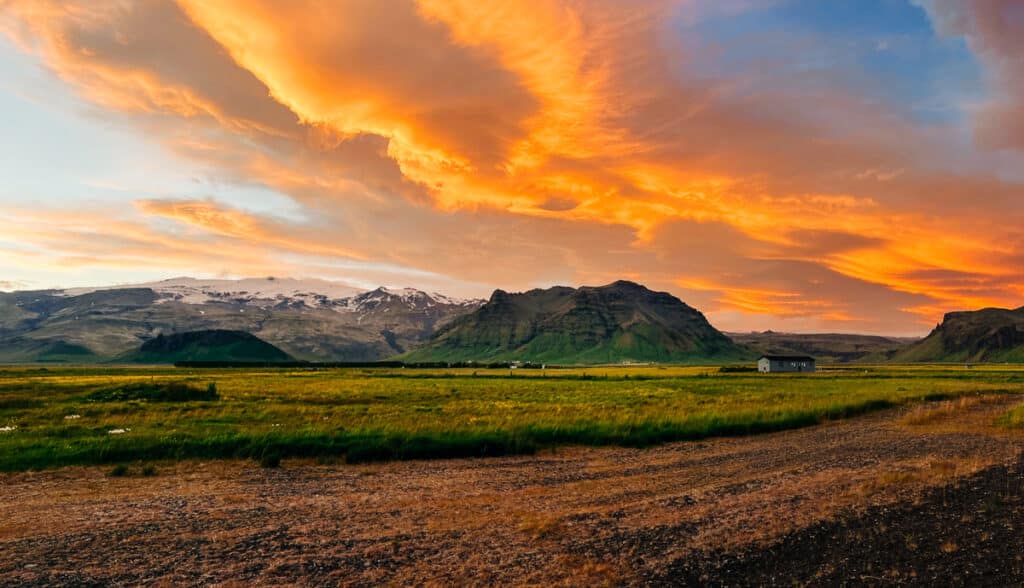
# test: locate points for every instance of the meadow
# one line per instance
(57, 416)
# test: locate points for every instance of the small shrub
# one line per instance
(364, 452)
(119, 471)
(271, 460)
(149, 470)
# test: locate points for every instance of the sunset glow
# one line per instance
(772, 164)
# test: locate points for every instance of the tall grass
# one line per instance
(367, 415)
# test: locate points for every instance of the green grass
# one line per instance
(1014, 418)
(54, 418)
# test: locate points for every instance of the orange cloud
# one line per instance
(519, 144)
(236, 224)
(108, 50)
(769, 302)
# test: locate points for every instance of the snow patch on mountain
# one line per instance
(275, 292)
(199, 291)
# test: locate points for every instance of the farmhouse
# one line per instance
(785, 363)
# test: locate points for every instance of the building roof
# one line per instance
(787, 357)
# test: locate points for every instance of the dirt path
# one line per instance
(681, 513)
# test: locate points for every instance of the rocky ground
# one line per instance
(968, 533)
(927, 497)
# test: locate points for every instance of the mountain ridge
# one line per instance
(98, 324)
(983, 335)
(619, 322)
(319, 320)
(196, 290)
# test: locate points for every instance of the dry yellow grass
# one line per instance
(540, 527)
(930, 413)
(931, 471)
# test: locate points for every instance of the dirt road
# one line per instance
(881, 498)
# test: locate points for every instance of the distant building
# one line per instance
(785, 363)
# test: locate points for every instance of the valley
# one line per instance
(826, 347)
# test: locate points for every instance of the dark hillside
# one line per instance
(210, 345)
(987, 335)
(616, 323)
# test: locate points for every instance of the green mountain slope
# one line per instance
(987, 335)
(211, 345)
(608, 324)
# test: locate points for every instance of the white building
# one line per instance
(785, 363)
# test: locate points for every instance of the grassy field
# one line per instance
(63, 416)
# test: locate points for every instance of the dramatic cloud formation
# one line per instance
(513, 144)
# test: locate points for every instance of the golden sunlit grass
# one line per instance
(538, 526)
(82, 415)
(930, 472)
(928, 414)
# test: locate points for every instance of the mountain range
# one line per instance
(313, 320)
(318, 320)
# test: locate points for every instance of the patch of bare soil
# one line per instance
(890, 497)
(967, 533)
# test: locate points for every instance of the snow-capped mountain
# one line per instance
(270, 291)
(410, 297)
(310, 319)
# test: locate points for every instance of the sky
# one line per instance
(795, 165)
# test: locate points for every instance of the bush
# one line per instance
(271, 460)
(149, 470)
(119, 471)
